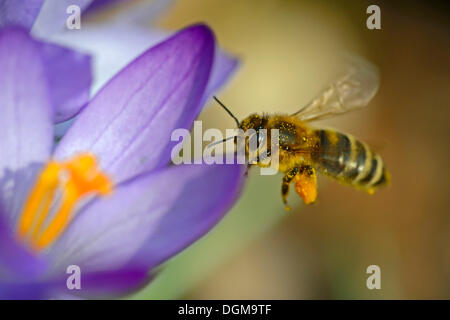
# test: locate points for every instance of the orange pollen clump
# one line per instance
(306, 187)
(75, 178)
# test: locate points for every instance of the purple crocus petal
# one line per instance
(69, 77)
(129, 123)
(113, 46)
(148, 219)
(53, 16)
(26, 121)
(22, 291)
(114, 283)
(107, 43)
(16, 262)
(105, 284)
(19, 13)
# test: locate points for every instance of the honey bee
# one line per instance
(305, 150)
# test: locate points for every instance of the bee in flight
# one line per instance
(304, 150)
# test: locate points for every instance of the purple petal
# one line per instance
(19, 268)
(22, 291)
(16, 262)
(107, 42)
(53, 16)
(129, 122)
(114, 283)
(26, 121)
(69, 77)
(19, 13)
(105, 284)
(150, 218)
(114, 45)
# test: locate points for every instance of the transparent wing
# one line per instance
(352, 89)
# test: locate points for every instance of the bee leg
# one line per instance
(287, 179)
(306, 184)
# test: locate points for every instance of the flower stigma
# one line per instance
(61, 185)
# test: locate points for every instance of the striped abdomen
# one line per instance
(345, 158)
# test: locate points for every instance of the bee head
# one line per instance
(254, 121)
(257, 123)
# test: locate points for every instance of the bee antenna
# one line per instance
(221, 141)
(227, 110)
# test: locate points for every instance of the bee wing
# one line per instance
(352, 89)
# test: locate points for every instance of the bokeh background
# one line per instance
(287, 48)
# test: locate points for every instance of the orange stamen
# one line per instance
(46, 184)
(76, 178)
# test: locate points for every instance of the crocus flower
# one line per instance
(104, 199)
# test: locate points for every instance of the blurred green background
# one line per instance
(322, 251)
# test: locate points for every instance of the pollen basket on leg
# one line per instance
(58, 189)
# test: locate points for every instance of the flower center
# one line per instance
(69, 182)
